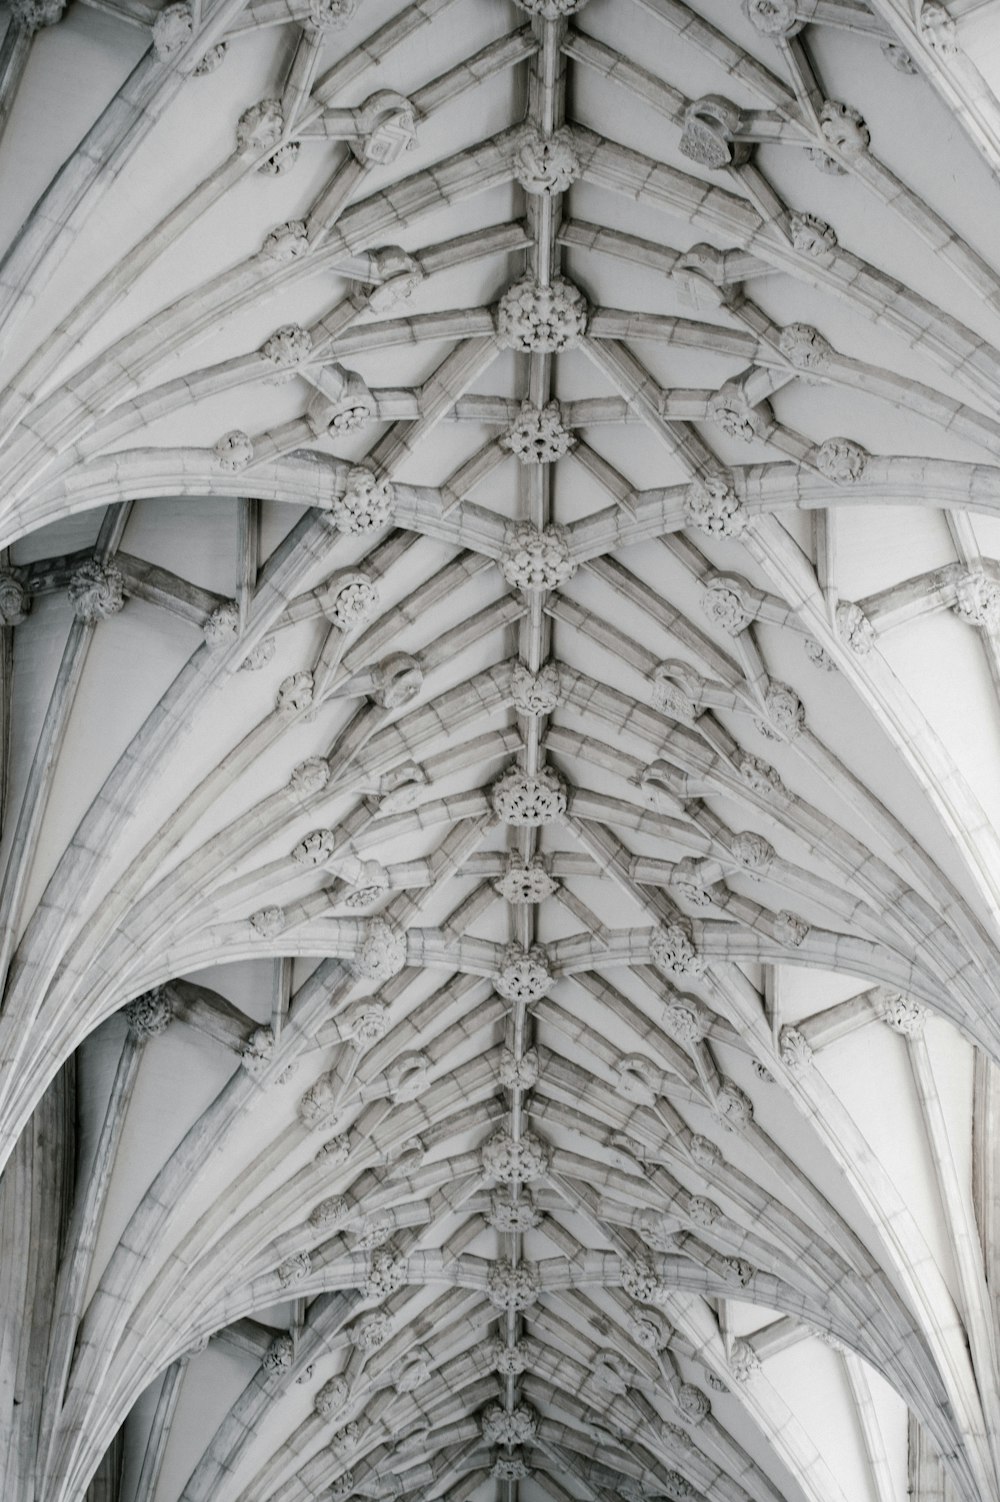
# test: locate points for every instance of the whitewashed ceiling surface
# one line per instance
(499, 746)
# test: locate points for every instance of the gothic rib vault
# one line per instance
(500, 931)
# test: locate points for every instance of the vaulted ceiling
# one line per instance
(500, 599)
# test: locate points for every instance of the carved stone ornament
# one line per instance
(382, 954)
(843, 126)
(517, 1425)
(714, 508)
(267, 923)
(512, 1288)
(370, 1331)
(551, 10)
(260, 655)
(901, 1014)
(733, 1106)
(546, 164)
(412, 1371)
(509, 1360)
(278, 1356)
(854, 628)
(524, 974)
(257, 1053)
(294, 1269)
(329, 15)
(672, 949)
(728, 602)
(330, 1213)
(282, 160)
(735, 416)
(937, 28)
(222, 627)
(710, 126)
(408, 1077)
(400, 273)
(388, 128)
(295, 695)
(172, 30)
(518, 1073)
(396, 680)
(366, 502)
(812, 236)
(506, 1214)
(507, 1160)
(343, 1487)
(649, 1330)
(785, 714)
(804, 347)
(818, 656)
(525, 882)
(899, 58)
(687, 880)
(744, 1363)
(793, 1046)
(639, 1281)
(638, 1079)
(318, 1106)
(760, 777)
(512, 1467)
(346, 1441)
(524, 801)
(684, 1019)
(537, 435)
(286, 242)
(693, 1403)
(96, 591)
(212, 59)
(259, 128)
(841, 460)
(535, 558)
(375, 1231)
(703, 1212)
(234, 451)
(366, 1023)
(335, 1152)
(386, 1272)
(977, 601)
(541, 319)
(15, 601)
(316, 848)
(752, 850)
(790, 930)
(677, 691)
(353, 605)
(773, 18)
(371, 883)
(342, 405)
(287, 348)
(148, 1015)
(535, 694)
(714, 1382)
(32, 15)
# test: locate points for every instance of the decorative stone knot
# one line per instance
(899, 58)
(329, 15)
(804, 347)
(794, 1049)
(708, 133)
(511, 1288)
(524, 974)
(525, 882)
(752, 850)
(688, 881)
(773, 18)
(353, 605)
(512, 1467)
(855, 629)
(639, 1281)
(234, 451)
(535, 694)
(937, 28)
(396, 680)
(33, 15)
(259, 128)
(400, 276)
(841, 460)
(684, 1019)
(812, 236)
(367, 1023)
(15, 601)
(258, 1052)
(844, 128)
(649, 1330)
(330, 1212)
(541, 319)
(733, 1106)
(386, 1272)
(538, 435)
(371, 883)
(760, 777)
(703, 1212)
(693, 1403)
(259, 656)
(213, 58)
(382, 954)
(366, 502)
(977, 601)
(517, 1425)
(509, 1360)
(516, 1216)
(148, 1015)
(376, 1230)
(331, 1397)
(526, 801)
(294, 1269)
(319, 1105)
(507, 1160)
(786, 717)
(790, 930)
(278, 1356)
(546, 164)
(370, 1331)
(901, 1014)
(287, 347)
(388, 127)
(744, 1363)
(342, 405)
(672, 949)
(310, 776)
(346, 1440)
(677, 691)
(286, 242)
(222, 627)
(295, 695)
(535, 558)
(518, 1073)
(818, 656)
(737, 417)
(96, 591)
(713, 507)
(172, 30)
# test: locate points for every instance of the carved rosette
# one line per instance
(639, 1280)
(316, 848)
(793, 1046)
(524, 974)
(222, 627)
(524, 801)
(977, 601)
(536, 558)
(672, 949)
(234, 451)
(310, 776)
(649, 1330)
(287, 348)
(517, 1425)
(544, 165)
(382, 954)
(258, 1052)
(703, 1212)
(366, 502)
(728, 602)
(901, 1014)
(172, 30)
(713, 507)
(541, 319)
(259, 128)
(841, 460)
(735, 416)
(511, 1288)
(278, 1356)
(804, 347)
(330, 1212)
(733, 1106)
(684, 1020)
(812, 236)
(96, 591)
(538, 435)
(507, 1160)
(386, 1272)
(15, 601)
(506, 1214)
(367, 1023)
(525, 882)
(773, 18)
(744, 1363)
(286, 242)
(370, 1331)
(693, 1403)
(752, 850)
(354, 605)
(854, 628)
(148, 1015)
(294, 1269)
(535, 694)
